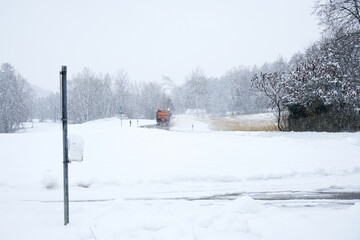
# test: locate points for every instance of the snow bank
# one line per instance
(244, 204)
(188, 123)
(50, 181)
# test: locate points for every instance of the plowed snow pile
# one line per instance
(186, 183)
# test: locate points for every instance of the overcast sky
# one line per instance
(150, 38)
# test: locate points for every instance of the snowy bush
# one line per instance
(50, 181)
(85, 183)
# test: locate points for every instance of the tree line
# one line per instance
(94, 96)
(320, 90)
(16, 99)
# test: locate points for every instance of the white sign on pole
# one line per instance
(76, 148)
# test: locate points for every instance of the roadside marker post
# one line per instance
(120, 112)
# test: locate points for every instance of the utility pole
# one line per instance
(65, 142)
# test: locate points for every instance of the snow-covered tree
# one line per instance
(219, 97)
(121, 91)
(196, 90)
(53, 101)
(313, 78)
(16, 99)
(89, 96)
(47, 108)
(105, 105)
(241, 98)
(323, 88)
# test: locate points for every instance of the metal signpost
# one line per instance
(65, 143)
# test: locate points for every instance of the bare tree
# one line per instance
(339, 15)
(273, 86)
(197, 94)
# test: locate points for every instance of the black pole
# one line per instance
(65, 143)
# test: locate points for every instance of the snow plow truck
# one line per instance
(163, 117)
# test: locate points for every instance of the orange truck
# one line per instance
(163, 117)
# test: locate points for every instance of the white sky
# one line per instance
(150, 38)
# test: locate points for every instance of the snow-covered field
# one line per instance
(187, 183)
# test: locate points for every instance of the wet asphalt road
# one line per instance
(156, 127)
(271, 196)
(277, 198)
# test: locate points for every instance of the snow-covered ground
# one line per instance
(188, 183)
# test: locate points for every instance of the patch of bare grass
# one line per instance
(243, 123)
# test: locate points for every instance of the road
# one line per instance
(278, 198)
(156, 126)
